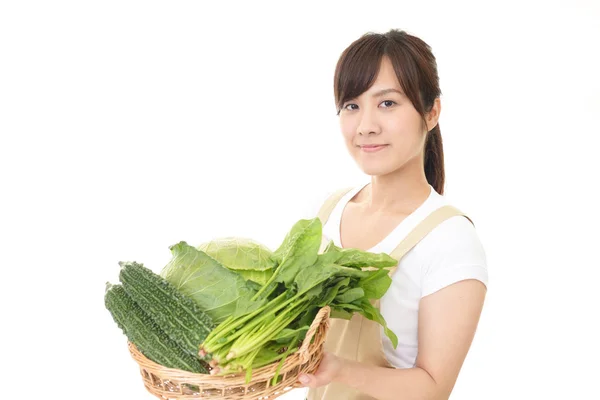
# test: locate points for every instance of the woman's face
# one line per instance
(383, 117)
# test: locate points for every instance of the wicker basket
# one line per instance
(173, 384)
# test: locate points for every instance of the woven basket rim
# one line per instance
(299, 357)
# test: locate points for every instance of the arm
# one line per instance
(448, 320)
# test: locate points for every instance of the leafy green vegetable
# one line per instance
(303, 281)
(340, 313)
(264, 302)
(351, 295)
(218, 291)
(260, 277)
(299, 250)
(251, 259)
(286, 335)
(333, 290)
(359, 259)
(376, 284)
(373, 314)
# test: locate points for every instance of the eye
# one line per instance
(388, 104)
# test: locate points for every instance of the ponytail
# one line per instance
(434, 160)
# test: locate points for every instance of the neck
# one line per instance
(398, 192)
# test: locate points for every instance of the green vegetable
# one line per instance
(376, 284)
(359, 259)
(351, 295)
(218, 291)
(141, 330)
(299, 250)
(251, 259)
(287, 335)
(176, 314)
(261, 303)
(302, 283)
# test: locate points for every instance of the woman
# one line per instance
(387, 95)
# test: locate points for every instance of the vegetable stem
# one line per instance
(285, 317)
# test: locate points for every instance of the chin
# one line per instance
(376, 170)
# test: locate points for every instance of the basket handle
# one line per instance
(321, 317)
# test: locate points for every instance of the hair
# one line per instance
(416, 69)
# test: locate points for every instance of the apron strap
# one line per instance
(330, 204)
(419, 232)
(422, 229)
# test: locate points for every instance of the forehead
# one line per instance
(386, 77)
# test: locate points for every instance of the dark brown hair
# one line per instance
(416, 69)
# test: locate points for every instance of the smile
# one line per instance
(373, 148)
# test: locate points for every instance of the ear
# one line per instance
(433, 116)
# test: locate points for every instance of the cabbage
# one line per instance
(249, 258)
(219, 291)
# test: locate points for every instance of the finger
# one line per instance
(307, 380)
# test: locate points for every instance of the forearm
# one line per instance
(390, 383)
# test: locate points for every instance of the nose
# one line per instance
(368, 123)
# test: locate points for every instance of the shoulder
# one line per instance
(451, 252)
(454, 239)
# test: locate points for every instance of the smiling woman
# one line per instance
(376, 114)
(387, 97)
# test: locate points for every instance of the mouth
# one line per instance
(371, 148)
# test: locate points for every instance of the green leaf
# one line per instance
(351, 295)
(239, 253)
(340, 313)
(299, 249)
(260, 277)
(312, 276)
(373, 314)
(253, 285)
(356, 258)
(348, 306)
(332, 255)
(268, 354)
(314, 292)
(376, 284)
(287, 335)
(308, 317)
(331, 292)
(218, 291)
(331, 248)
(351, 272)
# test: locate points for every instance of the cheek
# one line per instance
(348, 133)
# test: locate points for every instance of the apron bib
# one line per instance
(359, 338)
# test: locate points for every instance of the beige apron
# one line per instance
(359, 339)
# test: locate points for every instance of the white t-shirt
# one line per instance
(451, 252)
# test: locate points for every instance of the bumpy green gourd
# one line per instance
(175, 313)
(141, 330)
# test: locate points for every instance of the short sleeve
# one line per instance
(452, 252)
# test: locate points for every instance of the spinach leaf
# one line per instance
(299, 250)
(376, 284)
(356, 258)
(332, 291)
(351, 295)
(372, 313)
(287, 335)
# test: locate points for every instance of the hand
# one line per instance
(328, 371)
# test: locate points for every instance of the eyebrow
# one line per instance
(385, 91)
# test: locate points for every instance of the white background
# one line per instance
(127, 126)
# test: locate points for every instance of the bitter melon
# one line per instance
(175, 313)
(142, 331)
